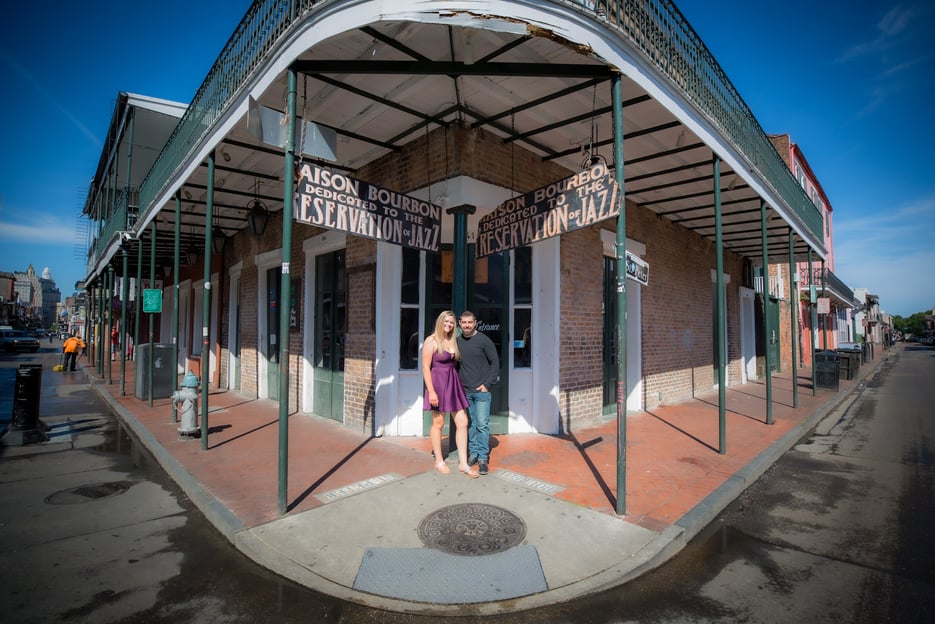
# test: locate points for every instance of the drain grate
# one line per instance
(86, 493)
(472, 529)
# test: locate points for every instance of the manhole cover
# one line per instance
(472, 529)
(85, 493)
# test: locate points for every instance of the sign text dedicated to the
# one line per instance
(552, 210)
(330, 199)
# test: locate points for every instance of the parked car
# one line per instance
(19, 341)
(849, 346)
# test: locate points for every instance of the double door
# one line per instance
(330, 331)
(488, 297)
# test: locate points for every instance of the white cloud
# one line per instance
(892, 253)
(889, 29)
(43, 229)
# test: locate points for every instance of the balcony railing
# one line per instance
(832, 283)
(126, 209)
(777, 286)
(655, 27)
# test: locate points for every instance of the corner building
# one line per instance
(466, 106)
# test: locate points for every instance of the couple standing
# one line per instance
(458, 372)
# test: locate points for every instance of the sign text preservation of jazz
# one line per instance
(329, 199)
(552, 210)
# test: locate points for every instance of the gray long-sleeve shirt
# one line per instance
(480, 364)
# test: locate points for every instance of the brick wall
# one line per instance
(677, 304)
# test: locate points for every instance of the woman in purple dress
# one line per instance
(444, 392)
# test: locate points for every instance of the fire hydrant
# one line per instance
(187, 396)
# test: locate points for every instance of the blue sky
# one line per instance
(851, 82)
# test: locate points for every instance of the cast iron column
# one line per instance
(288, 204)
(767, 363)
(794, 308)
(719, 295)
(206, 304)
(620, 244)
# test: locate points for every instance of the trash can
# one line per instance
(865, 352)
(164, 371)
(25, 426)
(849, 363)
(826, 369)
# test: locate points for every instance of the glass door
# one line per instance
(488, 297)
(330, 332)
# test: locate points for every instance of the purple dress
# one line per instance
(447, 382)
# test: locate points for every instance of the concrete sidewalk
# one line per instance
(540, 529)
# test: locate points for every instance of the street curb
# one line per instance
(223, 520)
(661, 549)
(704, 513)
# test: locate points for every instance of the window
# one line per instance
(409, 311)
(522, 307)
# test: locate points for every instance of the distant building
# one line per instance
(36, 297)
(7, 297)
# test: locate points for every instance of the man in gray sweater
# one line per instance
(479, 369)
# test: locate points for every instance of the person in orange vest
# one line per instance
(73, 345)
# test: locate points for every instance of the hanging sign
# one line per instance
(330, 199)
(824, 305)
(581, 200)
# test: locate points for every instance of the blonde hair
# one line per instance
(439, 333)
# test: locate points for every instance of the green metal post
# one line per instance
(811, 320)
(99, 347)
(175, 296)
(125, 283)
(620, 244)
(458, 286)
(138, 300)
(124, 297)
(766, 328)
(459, 283)
(288, 202)
(721, 304)
(206, 303)
(824, 317)
(794, 309)
(152, 284)
(109, 326)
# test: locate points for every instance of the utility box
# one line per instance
(164, 370)
(827, 372)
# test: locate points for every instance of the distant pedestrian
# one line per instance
(114, 343)
(71, 348)
(443, 391)
(479, 369)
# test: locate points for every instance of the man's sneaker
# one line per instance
(472, 460)
(482, 468)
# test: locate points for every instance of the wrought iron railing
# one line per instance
(655, 27)
(126, 209)
(818, 277)
(660, 31)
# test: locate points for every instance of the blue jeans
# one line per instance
(479, 429)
